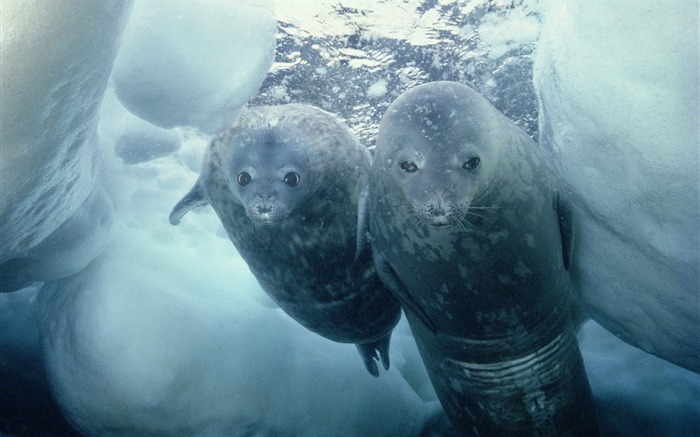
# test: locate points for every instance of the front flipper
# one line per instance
(566, 228)
(193, 199)
(391, 280)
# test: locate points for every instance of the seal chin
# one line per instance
(263, 222)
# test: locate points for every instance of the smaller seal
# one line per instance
(470, 233)
(289, 184)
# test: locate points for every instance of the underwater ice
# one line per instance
(167, 330)
(56, 60)
(619, 113)
(185, 64)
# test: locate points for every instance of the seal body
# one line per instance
(289, 186)
(469, 232)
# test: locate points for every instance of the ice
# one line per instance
(377, 89)
(67, 250)
(637, 393)
(132, 139)
(510, 29)
(188, 64)
(145, 142)
(56, 58)
(619, 88)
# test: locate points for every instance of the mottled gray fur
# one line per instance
(289, 185)
(470, 234)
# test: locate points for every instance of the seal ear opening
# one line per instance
(193, 199)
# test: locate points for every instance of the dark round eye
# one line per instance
(471, 163)
(408, 166)
(243, 178)
(292, 179)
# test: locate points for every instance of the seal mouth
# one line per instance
(263, 223)
(440, 222)
(263, 218)
(264, 213)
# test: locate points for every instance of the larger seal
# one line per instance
(469, 232)
(289, 186)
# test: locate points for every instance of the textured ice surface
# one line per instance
(56, 58)
(620, 107)
(132, 139)
(190, 63)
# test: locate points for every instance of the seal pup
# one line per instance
(289, 184)
(469, 232)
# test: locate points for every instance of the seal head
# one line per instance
(438, 158)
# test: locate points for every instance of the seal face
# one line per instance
(469, 232)
(289, 186)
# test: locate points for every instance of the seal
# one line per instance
(289, 184)
(470, 233)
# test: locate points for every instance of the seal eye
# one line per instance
(243, 178)
(471, 163)
(408, 166)
(292, 179)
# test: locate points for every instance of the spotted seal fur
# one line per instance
(289, 186)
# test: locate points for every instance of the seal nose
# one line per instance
(264, 205)
(439, 216)
(265, 198)
(438, 210)
(263, 208)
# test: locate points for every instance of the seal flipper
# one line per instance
(391, 280)
(566, 228)
(382, 346)
(369, 356)
(368, 352)
(193, 199)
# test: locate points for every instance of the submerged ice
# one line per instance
(167, 331)
(56, 59)
(619, 114)
(188, 64)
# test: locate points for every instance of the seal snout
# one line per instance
(264, 212)
(438, 215)
(263, 209)
(438, 210)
